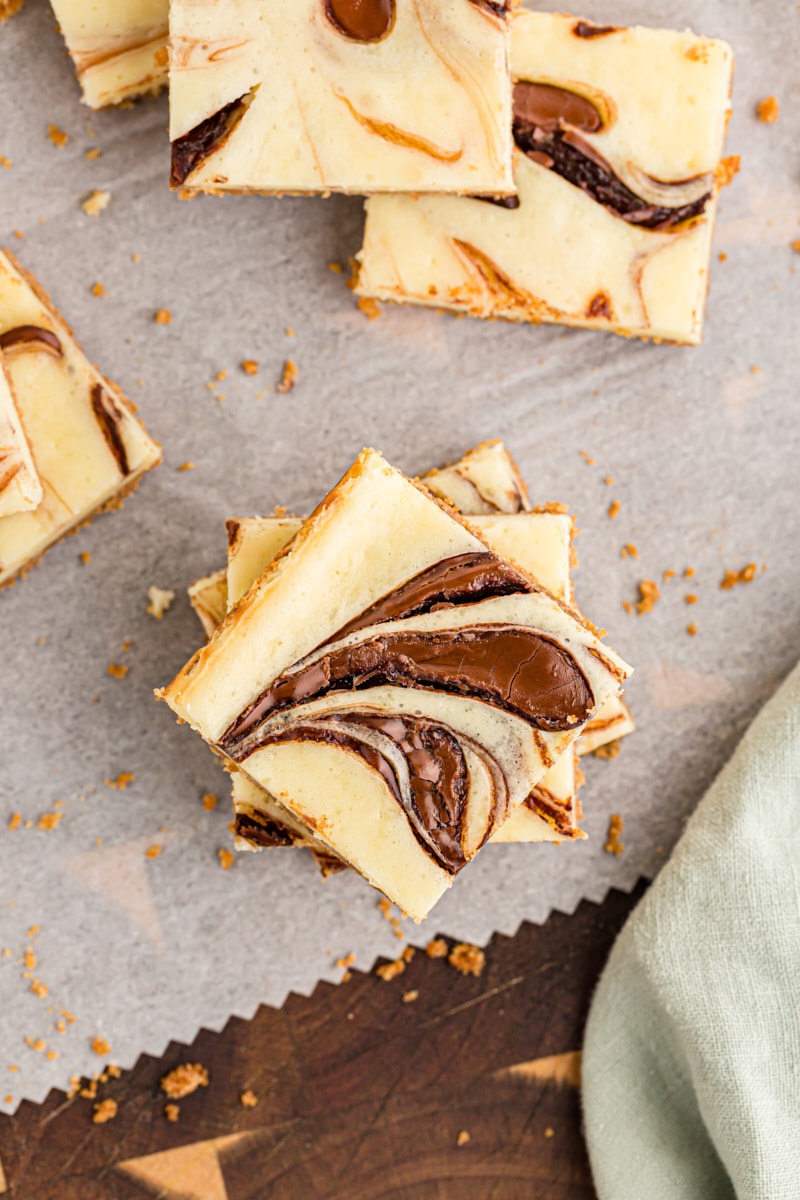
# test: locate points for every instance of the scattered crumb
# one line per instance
(5, 162)
(116, 671)
(101, 1047)
(15, 821)
(549, 1131)
(29, 959)
(51, 1055)
(732, 578)
(158, 601)
(690, 598)
(795, 246)
(665, 578)
(172, 1112)
(289, 331)
(19, 234)
(163, 317)
(609, 479)
(49, 820)
(250, 366)
(37, 1044)
(347, 961)
(104, 1110)
(98, 289)
(186, 466)
(614, 509)
(768, 110)
(122, 780)
(688, 573)
(691, 629)
(226, 859)
(85, 557)
(220, 375)
(469, 960)
(722, 256)
(587, 458)
(183, 1080)
(389, 971)
(153, 851)
(39, 989)
(408, 954)
(248, 1099)
(92, 154)
(629, 551)
(336, 267)
(369, 307)
(613, 844)
(609, 750)
(462, 1138)
(94, 204)
(727, 170)
(137, 258)
(649, 594)
(289, 377)
(209, 801)
(90, 1091)
(59, 137)
(410, 997)
(437, 948)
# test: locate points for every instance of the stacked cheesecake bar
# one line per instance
(70, 444)
(525, 165)
(398, 680)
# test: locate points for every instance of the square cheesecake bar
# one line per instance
(340, 95)
(119, 47)
(395, 684)
(619, 137)
(20, 487)
(88, 447)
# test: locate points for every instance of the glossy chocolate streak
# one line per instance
(437, 769)
(516, 669)
(498, 8)
(546, 134)
(461, 579)
(189, 151)
(500, 201)
(545, 805)
(32, 336)
(361, 20)
(583, 29)
(108, 417)
(262, 831)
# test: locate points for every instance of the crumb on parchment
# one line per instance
(733, 578)
(469, 960)
(117, 671)
(104, 1110)
(437, 948)
(369, 307)
(250, 366)
(727, 170)
(162, 316)
(226, 859)
(613, 844)
(209, 801)
(184, 1079)
(691, 629)
(158, 601)
(94, 204)
(101, 1047)
(289, 377)
(49, 821)
(649, 595)
(389, 971)
(768, 110)
(59, 137)
(122, 781)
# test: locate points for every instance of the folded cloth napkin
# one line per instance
(691, 1066)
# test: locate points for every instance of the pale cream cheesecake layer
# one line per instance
(88, 447)
(119, 47)
(340, 95)
(339, 676)
(485, 481)
(619, 137)
(20, 489)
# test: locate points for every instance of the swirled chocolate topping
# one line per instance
(361, 20)
(438, 781)
(108, 417)
(498, 8)
(461, 579)
(584, 29)
(513, 668)
(262, 830)
(30, 336)
(194, 147)
(545, 122)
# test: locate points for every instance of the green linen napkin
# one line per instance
(691, 1067)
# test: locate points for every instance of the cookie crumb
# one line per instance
(690, 598)
(153, 851)
(117, 671)
(389, 971)
(186, 466)
(92, 154)
(768, 110)
(98, 289)
(248, 1099)
(226, 859)
(436, 948)
(410, 997)
(727, 170)
(104, 1110)
(733, 578)
(469, 960)
(49, 821)
(609, 479)
(163, 316)
(613, 844)
(250, 366)
(172, 1112)
(587, 458)
(85, 557)
(59, 137)
(158, 601)
(649, 595)
(289, 377)
(608, 751)
(209, 801)
(795, 246)
(667, 575)
(94, 204)
(15, 821)
(462, 1138)
(39, 989)
(101, 1047)
(122, 781)
(336, 267)
(369, 307)
(549, 1132)
(614, 509)
(691, 629)
(346, 961)
(184, 1079)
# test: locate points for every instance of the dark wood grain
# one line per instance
(360, 1096)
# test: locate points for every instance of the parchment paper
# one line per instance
(702, 444)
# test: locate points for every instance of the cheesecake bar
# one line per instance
(20, 488)
(395, 684)
(119, 48)
(88, 448)
(619, 137)
(340, 95)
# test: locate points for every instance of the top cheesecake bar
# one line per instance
(119, 47)
(340, 95)
(395, 684)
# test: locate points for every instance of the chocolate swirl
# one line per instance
(31, 337)
(193, 148)
(546, 124)
(109, 418)
(361, 20)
